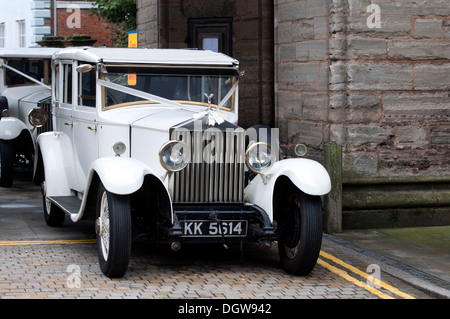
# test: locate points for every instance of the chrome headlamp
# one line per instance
(119, 148)
(174, 155)
(260, 157)
(38, 117)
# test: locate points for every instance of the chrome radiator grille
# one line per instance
(47, 105)
(216, 171)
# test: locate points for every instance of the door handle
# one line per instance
(68, 124)
(93, 129)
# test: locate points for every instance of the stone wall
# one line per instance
(147, 23)
(382, 92)
(390, 86)
(301, 74)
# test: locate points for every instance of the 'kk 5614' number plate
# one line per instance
(206, 228)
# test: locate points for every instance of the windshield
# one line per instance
(186, 88)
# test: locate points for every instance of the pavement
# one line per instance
(419, 256)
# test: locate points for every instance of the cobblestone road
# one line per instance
(42, 262)
(71, 271)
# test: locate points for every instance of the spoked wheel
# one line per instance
(6, 163)
(113, 228)
(300, 233)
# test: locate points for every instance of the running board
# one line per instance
(69, 204)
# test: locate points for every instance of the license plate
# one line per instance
(207, 228)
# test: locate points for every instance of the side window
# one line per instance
(86, 88)
(67, 83)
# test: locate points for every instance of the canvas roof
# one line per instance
(28, 52)
(147, 56)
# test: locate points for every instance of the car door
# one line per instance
(85, 126)
(63, 119)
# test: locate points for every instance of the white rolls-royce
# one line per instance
(146, 143)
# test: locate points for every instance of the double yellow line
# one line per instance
(46, 242)
(360, 273)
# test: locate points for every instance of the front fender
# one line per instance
(307, 175)
(57, 159)
(120, 175)
(11, 127)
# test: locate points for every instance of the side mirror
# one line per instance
(84, 68)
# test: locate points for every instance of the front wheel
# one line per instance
(300, 233)
(113, 228)
(54, 216)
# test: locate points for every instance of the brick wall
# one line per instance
(89, 24)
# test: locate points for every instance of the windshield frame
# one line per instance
(189, 70)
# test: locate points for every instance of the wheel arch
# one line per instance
(38, 166)
(152, 193)
(152, 200)
(306, 175)
(89, 212)
(282, 189)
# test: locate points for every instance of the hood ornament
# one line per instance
(209, 97)
(213, 117)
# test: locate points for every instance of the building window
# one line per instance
(2, 35)
(21, 34)
(211, 42)
(211, 34)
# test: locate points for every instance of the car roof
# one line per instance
(147, 56)
(28, 52)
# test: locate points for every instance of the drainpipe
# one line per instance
(55, 33)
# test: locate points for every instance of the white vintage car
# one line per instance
(24, 88)
(146, 143)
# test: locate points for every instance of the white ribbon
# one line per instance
(228, 95)
(137, 93)
(213, 116)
